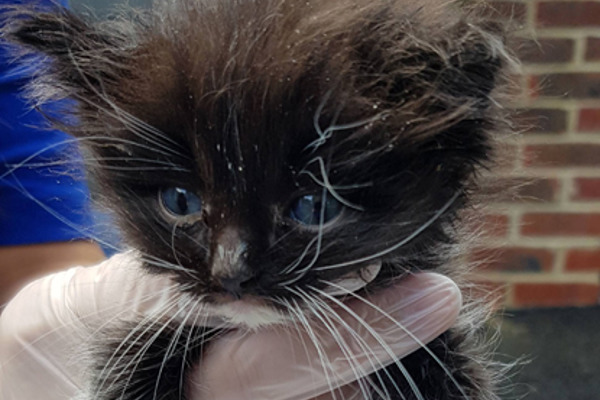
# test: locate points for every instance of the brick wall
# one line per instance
(544, 249)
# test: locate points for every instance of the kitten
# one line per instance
(282, 150)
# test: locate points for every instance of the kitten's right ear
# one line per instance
(83, 60)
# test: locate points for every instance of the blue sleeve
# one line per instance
(43, 194)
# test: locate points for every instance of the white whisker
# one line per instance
(324, 360)
(172, 347)
(407, 332)
(314, 308)
(111, 366)
(378, 338)
(143, 350)
(401, 243)
(305, 270)
(364, 347)
(327, 184)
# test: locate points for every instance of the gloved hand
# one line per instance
(44, 331)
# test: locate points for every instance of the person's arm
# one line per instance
(22, 264)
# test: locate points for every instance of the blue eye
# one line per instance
(179, 201)
(307, 209)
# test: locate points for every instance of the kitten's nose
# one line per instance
(236, 285)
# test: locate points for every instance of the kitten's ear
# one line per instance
(474, 62)
(83, 60)
(457, 76)
(453, 62)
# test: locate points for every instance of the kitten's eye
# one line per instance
(179, 201)
(307, 209)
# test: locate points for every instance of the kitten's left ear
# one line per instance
(445, 58)
(83, 60)
(474, 61)
(455, 76)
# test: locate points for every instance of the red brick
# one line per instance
(583, 260)
(592, 49)
(490, 225)
(513, 259)
(576, 85)
(586, 189)
(544, 51)
(560, 224)
(568, 13)
(533, 86)
(589, 120)
(555, 294)
(562, 155)
(541, 120)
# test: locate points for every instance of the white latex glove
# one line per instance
(44, 331)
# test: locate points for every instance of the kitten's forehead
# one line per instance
(250, 64)
(260, 93)
(251, 83)
(243, 137)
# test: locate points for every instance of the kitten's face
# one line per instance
(272, 152)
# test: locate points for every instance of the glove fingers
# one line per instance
(331, 351)
(44, 330)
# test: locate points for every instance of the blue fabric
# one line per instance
(44, 197)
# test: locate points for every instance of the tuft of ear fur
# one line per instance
(448, 68)
(81, 60)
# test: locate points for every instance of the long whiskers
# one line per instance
(323, 358)
(172, 347)
(314, 308)
(300, 258)
(363, 345)
(406, 331)
(377, 337)
(11, 168)
(155, 164)
(300, 274)
(399, 244)
(112, 364)
(325, 183)
(148, 259)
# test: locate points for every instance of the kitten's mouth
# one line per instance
(253, 312)
(354, 281)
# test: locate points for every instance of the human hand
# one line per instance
(283, 363)
(46, 328)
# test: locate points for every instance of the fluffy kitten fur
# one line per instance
(388, 106)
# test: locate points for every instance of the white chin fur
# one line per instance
(253, 314)
(354, 281)
(251, 317)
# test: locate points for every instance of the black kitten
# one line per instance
(277, 150)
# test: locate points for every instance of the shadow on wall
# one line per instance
(562, 347)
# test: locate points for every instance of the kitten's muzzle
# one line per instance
(230, 268)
